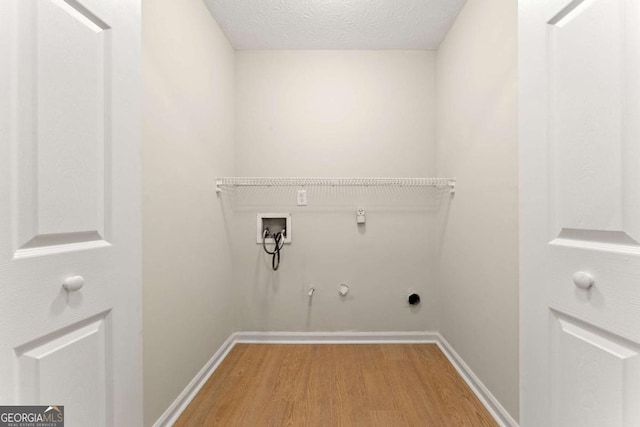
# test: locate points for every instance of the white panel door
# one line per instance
(579, 71)
(69, 207)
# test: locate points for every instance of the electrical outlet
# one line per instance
(360, 216)
(302, 198)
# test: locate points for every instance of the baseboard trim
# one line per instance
(174, 411)
(347, 337)
(489, 401)
(170, 416)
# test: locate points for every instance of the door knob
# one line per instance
(73, 283)
(583, 280)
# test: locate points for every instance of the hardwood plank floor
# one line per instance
(335, 385)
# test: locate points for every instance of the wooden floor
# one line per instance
(335, 385)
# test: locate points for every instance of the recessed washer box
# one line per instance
(275, 222)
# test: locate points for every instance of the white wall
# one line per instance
(336, 113)
(188, 104)
(325, 113)
(477, 144)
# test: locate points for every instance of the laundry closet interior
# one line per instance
(380, 135)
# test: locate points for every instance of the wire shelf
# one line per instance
(441, 183)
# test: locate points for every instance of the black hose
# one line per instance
(278, 238)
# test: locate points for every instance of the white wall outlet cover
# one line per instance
(301, 198)
(360, 216)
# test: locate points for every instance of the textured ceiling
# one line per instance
(335, 24)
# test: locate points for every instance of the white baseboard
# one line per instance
(186, 396)
(172, 413)
(347, 337)
(489, 401)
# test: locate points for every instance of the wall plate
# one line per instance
(286, 219)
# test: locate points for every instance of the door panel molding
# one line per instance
(596, 374)
(61, 159)
(69, 366)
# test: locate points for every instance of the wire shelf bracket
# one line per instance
(222, 182)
